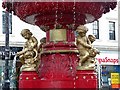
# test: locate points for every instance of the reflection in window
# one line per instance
(96, 29)
(111, 30)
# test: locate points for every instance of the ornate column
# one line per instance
(58, 59)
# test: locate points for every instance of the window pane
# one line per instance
(96, 29)
(111, 30)
(6, 22)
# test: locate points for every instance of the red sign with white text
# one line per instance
(107, 60)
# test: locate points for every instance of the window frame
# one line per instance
(95, 26)
(112, 35)
(9, 22)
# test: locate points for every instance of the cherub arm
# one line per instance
(22, 52)
(84, 44)
(35, 42)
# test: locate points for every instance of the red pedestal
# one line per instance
(28, 79)
(58, 62)
(86, 79)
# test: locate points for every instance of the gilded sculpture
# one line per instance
(42, 43)
(86, 50)
(28, 56)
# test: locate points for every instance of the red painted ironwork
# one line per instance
(59, 59)
(28, 80)
(58, 63)
(86, 79)
(64, 13)
(59, 66)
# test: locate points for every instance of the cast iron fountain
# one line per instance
(59, 19)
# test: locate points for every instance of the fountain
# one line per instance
(59, 56)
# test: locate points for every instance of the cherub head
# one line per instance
(26, 33)
(91, 38)
(82, 30)
(43, 40)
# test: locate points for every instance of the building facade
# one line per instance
(108, 61)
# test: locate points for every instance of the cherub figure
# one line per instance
(92, 38)
(28, 55)
(90, 63)
(83, 44)
(86, 50)
(40, 49)
(42, 42)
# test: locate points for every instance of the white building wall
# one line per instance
(103, 41)
(17, 25)
(108, 48)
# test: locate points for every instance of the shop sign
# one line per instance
(107, 60)
(12, 52)
(115, 78)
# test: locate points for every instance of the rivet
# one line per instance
(27, 78)
(71, 68)
(77, 77)
(74, 83)
(92, 77)
(84, 77)
(34, 78)
(20, 78)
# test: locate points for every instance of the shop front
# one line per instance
(12, 53)
(108, 68)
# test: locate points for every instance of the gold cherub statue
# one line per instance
(29, 54)
(40, 50)
(90, 63)
(85, 48)
(42, 43)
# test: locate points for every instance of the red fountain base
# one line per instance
(86, 79)
(28, 79)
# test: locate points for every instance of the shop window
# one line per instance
(106, 79)
(12, 52)
(96, 29)
(111, 30)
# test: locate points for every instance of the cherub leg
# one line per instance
(84, 58)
